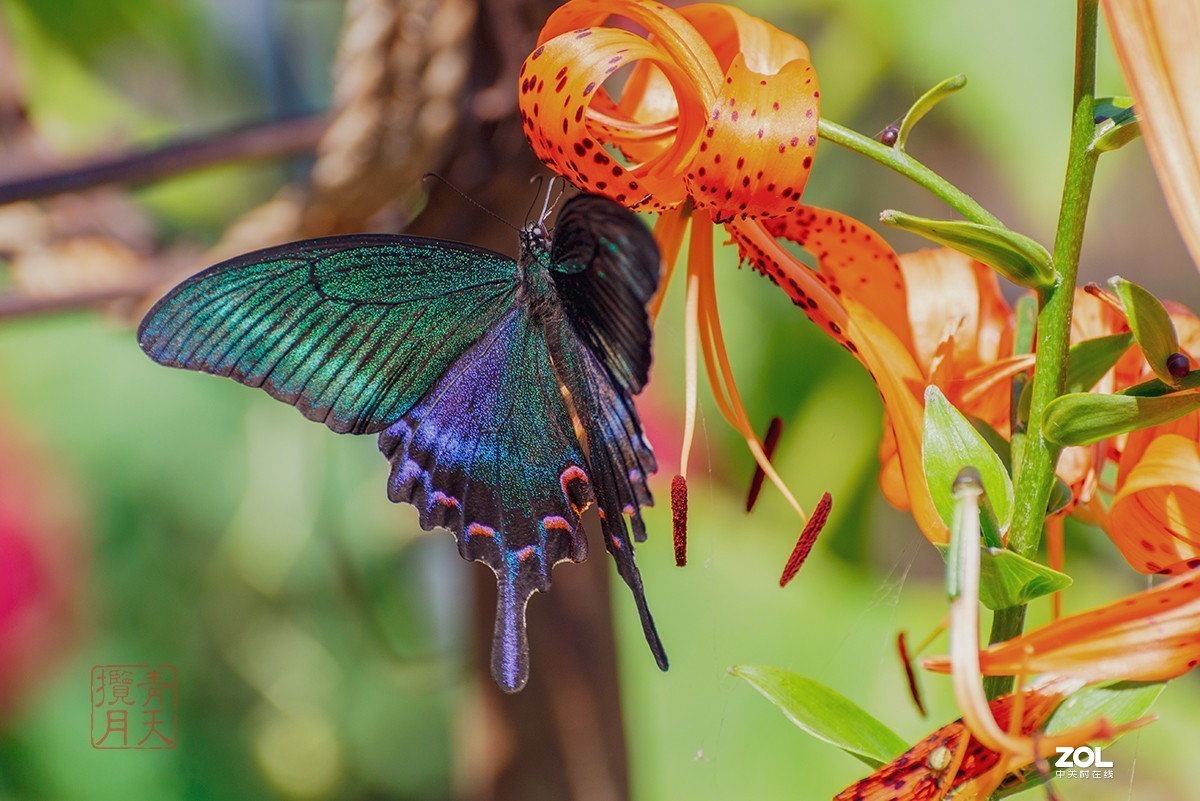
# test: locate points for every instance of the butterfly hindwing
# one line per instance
(490, 453)
(351, 330)
(605, 266)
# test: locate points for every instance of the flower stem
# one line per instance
(909, 167)
(1034, 467)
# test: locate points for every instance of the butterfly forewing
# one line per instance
(351, 330)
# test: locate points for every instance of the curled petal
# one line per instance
(679, 42)
(559, 82)
(729, 30)
(891, 474)
(1155, 516)
(758, 147)
(1152, 635)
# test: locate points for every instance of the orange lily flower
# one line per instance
(1156, 45)
(953, 760)
(717, 124)
(1153, 635)
(961, 330)
(1153, 503)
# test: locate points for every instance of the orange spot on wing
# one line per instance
(479, 530)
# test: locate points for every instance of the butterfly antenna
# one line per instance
(546, 207)
(562, 189)
(539, 179)
(470, 199)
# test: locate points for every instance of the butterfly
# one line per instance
(501, 390)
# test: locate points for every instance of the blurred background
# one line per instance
(324, 646)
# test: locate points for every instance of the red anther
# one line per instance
(769, 443)
(679, 503)
(913, 688)
(808, 538)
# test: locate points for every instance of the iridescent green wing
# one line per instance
(351, 330)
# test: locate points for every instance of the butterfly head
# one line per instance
(535, 236)
(535, 243)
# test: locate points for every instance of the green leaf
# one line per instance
(825, 714)
(951, 443)
(1087, 362)
(1060, 496)
(1015, 256)
(1084, 417)
(1117, 136)
(1116, 123)
(995, 441)
(925, 104)
(1151, 325)
(1154, 388)
(1009, 579)
(1117, 110)
(1121, 702)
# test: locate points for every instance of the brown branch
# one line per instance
(15, 305)
(253, 142)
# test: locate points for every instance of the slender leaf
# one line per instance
(925, 104)
(1087, 362)
(1015, 256)
(1151, 325)
(1121, 702)
(1084, 418)
(825, 714)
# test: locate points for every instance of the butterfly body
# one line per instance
(501, 390)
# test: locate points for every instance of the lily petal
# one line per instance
(764, 126)
(1151, 635)
(1155, 516)
(559, 82)
(1156, 45)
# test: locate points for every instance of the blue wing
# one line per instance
(490, 453)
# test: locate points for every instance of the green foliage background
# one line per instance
(233, 539)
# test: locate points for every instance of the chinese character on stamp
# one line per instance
(134, 706)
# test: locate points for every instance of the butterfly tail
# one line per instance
(510, 644)
(620, 546)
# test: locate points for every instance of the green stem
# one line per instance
(909, 167)
(1034, 469)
